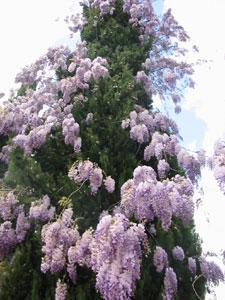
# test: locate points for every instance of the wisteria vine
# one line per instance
(114, 250)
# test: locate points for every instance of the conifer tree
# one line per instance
(95, 89)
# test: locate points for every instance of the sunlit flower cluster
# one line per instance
(14, 224)
(147, 198)
(83, 171)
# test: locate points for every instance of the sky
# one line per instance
(202, 120)
(28, 28)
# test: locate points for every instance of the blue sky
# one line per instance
(191, 128)
(202, 120)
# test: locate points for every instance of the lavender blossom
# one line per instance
(109, 183)
(170, 284)
(57, 238)
(147, 199)
(211, 271)
(162, 167)
(42, 210)
(22, 227)
(160, 259)
(8, 238)
(116, 255)
(61, 290)
(7, 206)
(192, 265)
(178, 253)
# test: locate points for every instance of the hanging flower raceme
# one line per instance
(42, 210)
(211, 271)
(160, 259)
(61, 290)
(71, 130)
(4, 154)
(57, 238)
(149, 121)
(163, 75)
(116, 256)
(83, 171)
(14, 224)
(163, 167)
(147, 198)
(162, 135)
(163, 145)
(31, 118)
(75, 23)
(192, 265)
(218, 164)
(178, 253)
(170, 284)
(105, 6)
(80, 254)
(54, 58)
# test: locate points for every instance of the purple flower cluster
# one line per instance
(163, 144)
(218, 164)
(86, 171)
(71, 130)
(116, 256)
(190, 164)
(160, 259)
(202, 157)
(34, 140)
(147, 199)
(85, 71)
(162, 72)
(192, 265)
(7, 238)
(170, 284)
(58, 237)
(143, 123)
(162, 133)
(30, 118)
(54, 58)
(163, 167)
(22, 226)
(11, 215)
(42, 210)
(178, 253)
(109, 184)
(4, 154)
(8, 205)
(79, 254)
(211, 271)
(75, 23)
(61, 290)
(105, 6)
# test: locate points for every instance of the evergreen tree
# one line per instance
(105, 143)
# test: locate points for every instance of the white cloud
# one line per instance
(205, 23)
(27, 29)
(192, 146)
(209, 220)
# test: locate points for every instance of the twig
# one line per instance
(139, 146)
(152, 236)
(77, 189)
(60, 189)
(193, 286)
